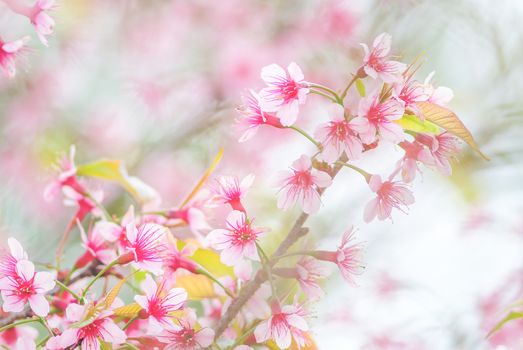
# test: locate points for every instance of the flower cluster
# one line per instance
(220, 286)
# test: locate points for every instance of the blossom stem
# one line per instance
(106, 214)
(337, 98)
(61, 245)
(267, 267)
(43, 341)
(129, 322)
(100, 274)
(302, 252)
(245, 334)
(324, 95)
(18, 323)
(44, 323)
(64, 287)
(352, 81)
(365, 174)
(304, 133)
(215, 280)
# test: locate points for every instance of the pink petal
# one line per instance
(295, 72)
(272, 73)
(39, 305)
(204, 337)
(17, 251)
(371, 209)
(262, 332)
(25, 269)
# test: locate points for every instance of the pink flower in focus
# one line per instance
(409, 93)
(414, 152)
(284, 324)
(102, 328)
(309, 270)
(229, 190)
(26, 286)
(254, 117)
(8, 54)
(158, 303)
(178, 259)
(442, 147)
(145, 247)
(284, 93)
(185, 336)
(376, 61)
(41, 20)
(301, 184)
(237, 240)
(96, 247)
(337, 136)
(389, 195)
(378, 117)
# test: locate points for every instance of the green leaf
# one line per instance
(513, 315)
(210, 260)
(413, 123)
(360, 87)
(130, 310)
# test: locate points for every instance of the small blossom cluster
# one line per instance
(220, 287)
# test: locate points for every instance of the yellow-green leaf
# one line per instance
(449, 121)
(109, 299)
(197, 286)
(210, 260)
(413, 123)
(360, 87)
(513, 315)
(130, 310)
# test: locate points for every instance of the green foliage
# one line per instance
(413, 123)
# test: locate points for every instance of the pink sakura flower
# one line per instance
(100, 328)
(145, 247)
(253, 117)
(414, 152)
(42, 22)
(376, 61)
(302, 184)
(158, 303)
(440, 95)
(389, 195)
(347, 256)
(237, 240)
(66, 177)
(442, 147)
(229, 190)
(409, 93)
(24, 286)
(96, 247)
(309, 271)
(83, 202)
(378, 117)
(193, 216)
(185, 336)
(179, 259)
(338, 136)
(19, 338)
(284, 93)
(283, 325)
(8, 55)
(9, 260)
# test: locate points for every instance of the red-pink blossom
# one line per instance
(389, 194)
(301, 184)
(408, 165)
(158, 303)
(96, 247)
(145, 247)
(440, 95)
(375, 117)
(185, 337)
(42, 22)
(409, 93)
(284, 93)
(9, 260)
(179, 259)
(8, 55)
(376, 62)
(309, 271)
(338, 136)
(443, 147)
(230, 190)
(85, 203)
(19, 338)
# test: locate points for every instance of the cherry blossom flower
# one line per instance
(414, 152)
(229, 190)
(9, 51)
(443, 147)
(193, 216)
(338, 136)
(9, 260)
(409, 93)
(284, 93)
(26, 286)
(253, 117)
(390, 195)
(19, 338)
(42, 22)
(237, 240)
(301, 184)
(185, 336)
(378, 117)
(376, 62)
(178, 259)
(158, 303)
(101, 328)
(145, 247)
(440, 95)
(66, 177)
(96, 247)
(284, 324)
(309, 270)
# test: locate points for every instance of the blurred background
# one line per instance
(156, 83)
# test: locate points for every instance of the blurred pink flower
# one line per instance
(301, 184)
(284, 93)
(185, 336)
(26, 286)
(178, 259)
(440, 95)
(42, 22)
(378, 117)
(408, 165)
(409, 93)
(8, 55)
(443, 147)
(238, 240)
(84, 203)
(158, 303)
(389, 195)
(19, 338)
(309, 270)
(230, 190)
(337, 136)
(96, 247)
(376, 62)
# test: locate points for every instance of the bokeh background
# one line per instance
(155, 83)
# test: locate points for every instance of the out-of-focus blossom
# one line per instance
(408, 165)
(42, 22)
(253, 117)
(283, 325)
(338, 136)
(309, 271)
(84, 202)
(102, 328)
(284, 93)
(185, 336)
(19, 338)
(301, 184)
(96, 247)
(237, 240)
(376, 62)
(390, 195)
(440, 95)
(192, 215)
(8, 55)
(443, 147)
(409, 93)
(158, 303)
(145, 247)
(230, 190)
(66, 177)
(375, 117)
(175, 259)
(26, 286)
